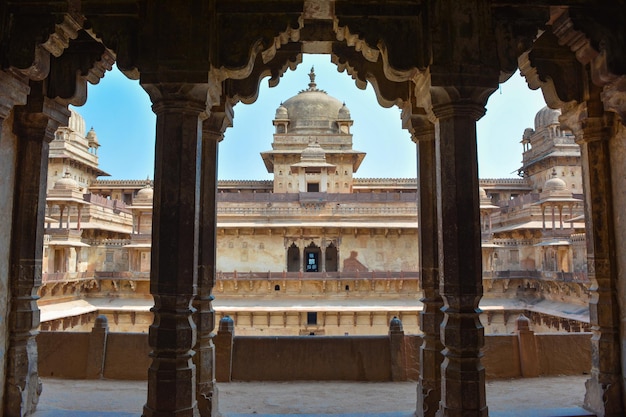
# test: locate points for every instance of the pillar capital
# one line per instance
(219, 118)
(41, 116)
(614, 97)
(586, 128)
(419, 123)
(14, 91)
(169, 97)
(453, 101)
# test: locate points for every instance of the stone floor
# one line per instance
(536, 397)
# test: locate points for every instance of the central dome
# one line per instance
(313, 110)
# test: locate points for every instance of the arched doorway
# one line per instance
(293, 258)
(332, 258)
(312, 258)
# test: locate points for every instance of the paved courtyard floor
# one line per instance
(537, 397)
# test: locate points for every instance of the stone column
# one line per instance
(212, 133)
(430, 318)
(174, 260)
(458, 229)
(13, 91)
(397, 349)
(34, 126)
(604, 387)
(224, 349)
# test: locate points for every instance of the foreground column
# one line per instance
(604, 387)
(212, 133)
(34, 125)
(429, 384)
(458, 219)
(173, 276)
(13, 91)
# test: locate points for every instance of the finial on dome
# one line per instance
(312, 85)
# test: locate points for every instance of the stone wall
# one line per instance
(100, 353)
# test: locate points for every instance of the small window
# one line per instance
(313, 187)
(276, 287)
(311, 318)
(347, 288)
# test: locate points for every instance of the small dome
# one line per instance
(66, 183)
(146, 193)
(92, 138)
(482, 194)
(281, 112)
(528, 132)
(546, 117)
(344, 113)
(76, 123)
(555, 184)
(313, 153)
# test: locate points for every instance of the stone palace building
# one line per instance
(317, 250)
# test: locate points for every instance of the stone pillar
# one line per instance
(224, 349)
(212, 133)
(94, 369)
(458, 229)
(174, 259)
(430, 318)
(528, 355)
(34, 126)
(13, 91)
(604, 387)
(397, 349)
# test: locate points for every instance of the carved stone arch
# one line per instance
(28, 51)
(84, 60)
(370, 49)
(593, 46)
(388, 92)
(395, 33)
(554, 69)
(246, 90)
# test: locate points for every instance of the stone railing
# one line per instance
(65, 276)
(352, 275)
(328, 210)
(128, 275)
(538, 275)
(114, 205)
(336, 198)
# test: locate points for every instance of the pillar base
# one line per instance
(604, 398)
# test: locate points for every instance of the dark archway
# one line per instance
(293, 258)
(332, 258)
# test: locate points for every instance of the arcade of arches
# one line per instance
(437, 60)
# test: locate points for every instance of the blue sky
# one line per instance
(120, 112)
